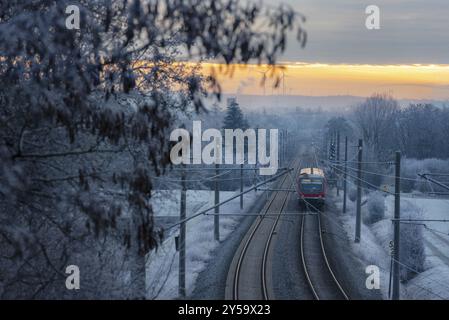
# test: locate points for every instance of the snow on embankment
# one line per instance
(424, 246)
(162, 265)
(433, 282)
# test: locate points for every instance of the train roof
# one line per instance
(312, 171)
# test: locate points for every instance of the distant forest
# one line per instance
(419, 131)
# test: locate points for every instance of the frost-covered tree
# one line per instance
(339, 124)
(377, 123)
(424, 131)
(234, 118)
(376, 119)
(84, 122)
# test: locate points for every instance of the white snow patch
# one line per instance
(433, 283)
(162, 265)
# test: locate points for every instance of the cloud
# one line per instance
(412, 31)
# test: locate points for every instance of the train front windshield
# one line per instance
(311, 185)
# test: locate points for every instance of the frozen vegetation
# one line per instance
(162, 265)
(424, 255)
(78, 161)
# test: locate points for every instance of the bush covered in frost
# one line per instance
(352, 194)
(412, 255)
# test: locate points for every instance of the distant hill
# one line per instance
(279, 103)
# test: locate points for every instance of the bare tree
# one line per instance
(376, 119)
(423, 131)
(84, 120)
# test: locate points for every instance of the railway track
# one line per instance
(320, 276)
(249, 275)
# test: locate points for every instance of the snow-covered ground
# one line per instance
(374, 247)
(162, 265)
(436, 237)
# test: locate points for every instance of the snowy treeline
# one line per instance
(419, 131)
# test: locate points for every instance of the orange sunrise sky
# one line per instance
(414, 81)
(407, 57)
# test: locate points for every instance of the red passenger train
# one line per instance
(312, 186)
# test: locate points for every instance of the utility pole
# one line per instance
(338, 159)
(397, 224)
(182, 237)
(282, 147)
(345, 175)
(241, 186)
(286, 145)
(217, 208)
(137, 258)
(257, 157)
(334, 142)
(358, 218)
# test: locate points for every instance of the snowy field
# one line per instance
(374, 247)
(436, 236)
(162, 265)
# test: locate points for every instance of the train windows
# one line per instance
(311, 185)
